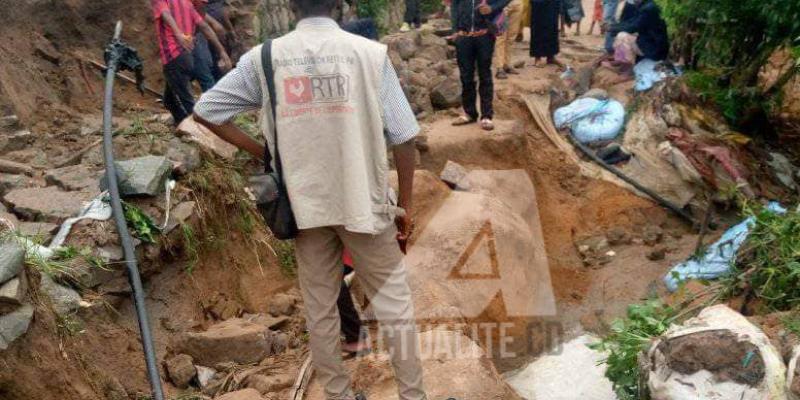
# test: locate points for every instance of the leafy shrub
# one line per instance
(629, 337)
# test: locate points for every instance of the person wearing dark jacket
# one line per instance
(475, 30)
(643, 18)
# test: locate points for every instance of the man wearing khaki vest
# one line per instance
(338, 104)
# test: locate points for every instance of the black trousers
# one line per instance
(412, 12)
(178, 97)
(472, 52)
(351, 321)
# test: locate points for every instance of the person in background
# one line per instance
(502, 57)
(544, 32)
(205, 63)
(571, 13)
(412, 17)
(643, 19)
(219, 11)
(350, 22)
(597, 17)
(176, 23)
(525, 20)
(356, 342)
(337, 114)
(609, 18)
(474, 29)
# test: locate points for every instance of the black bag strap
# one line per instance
(269, 73)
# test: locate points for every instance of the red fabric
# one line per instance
(187, 19)
(347, 259)
(598, 11)
(703, 153)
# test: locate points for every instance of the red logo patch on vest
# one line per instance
(316, 89)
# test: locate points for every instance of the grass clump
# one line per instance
(769, 261)
(284, 252)
(629, 336)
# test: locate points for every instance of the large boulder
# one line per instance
(718, 355)
(234, 340)
(246, 394)
(479, 246)
(12, 293)
(180, 369)
(454, 367)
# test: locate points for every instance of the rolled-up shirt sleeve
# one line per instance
(239, 91)
(400, 124)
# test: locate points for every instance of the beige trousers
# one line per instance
(382, 275)
(502, 51)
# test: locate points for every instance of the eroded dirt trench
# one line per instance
(224, 267)
(572, 210)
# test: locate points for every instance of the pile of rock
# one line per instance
(426, 66)
(15, 315)
(236, 358)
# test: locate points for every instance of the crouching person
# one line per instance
(336, 95)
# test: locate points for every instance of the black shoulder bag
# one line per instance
(269, 188)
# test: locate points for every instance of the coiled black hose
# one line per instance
(113, 55)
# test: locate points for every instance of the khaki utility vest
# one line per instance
(330, 128)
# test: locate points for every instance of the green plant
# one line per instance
(248, 122)
(284, 251)
(140, 223)
(628, 337)
(769, 260)
(190, 243)
(792, 322)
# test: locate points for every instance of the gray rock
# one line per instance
(49, 204)
(8, 217)
(41, 230)
(143, 176)
(64, 300)
(184, 156)
(282, 304)
(179, 215)
(12, 258)
(15, 141)
(431, 39)
(446, 95)
(433, 53)
(783, 169)
(14, 325)
(455, 176)
(421, 65)
(13, 292)
(9, 182)
(405, 45)
(76, 177)
(652, 235)
(274, 323)
(280, 344)
(269, 384)
(181, 370)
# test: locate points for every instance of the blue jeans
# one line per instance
(203, 63)
(610, 17)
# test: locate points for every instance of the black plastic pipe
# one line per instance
(128, 248)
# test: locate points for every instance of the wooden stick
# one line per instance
(301, 384)
(125, 78)
(85, 77)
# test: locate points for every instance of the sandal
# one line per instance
(487, 124)
(463, 120)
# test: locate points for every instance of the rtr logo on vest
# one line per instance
(317, 89)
